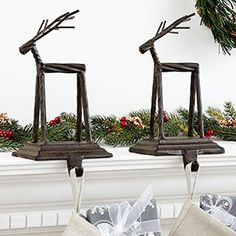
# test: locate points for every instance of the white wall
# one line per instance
(106, 39)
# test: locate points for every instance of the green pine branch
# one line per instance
(183, 114)
(143, 114)
(103, 125)
(65, 130)
(219, 16)
(9, 145)
(21, 135)
(229, 111)
(225, 133)
(215, 113)
(126, 137)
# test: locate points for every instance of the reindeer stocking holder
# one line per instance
(161, 145)
(40, 148)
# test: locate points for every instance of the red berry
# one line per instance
(123, 123)
(166, 119)
(57, 119)
(210, 132)
(5, 134)
(8, 133)
(1, 133)
(123, 119)
(52, 122)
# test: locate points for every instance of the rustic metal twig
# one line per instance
(199, 104)
(158, 90)
(79, 110)
(85, 106)
(191, 104)
(46, 28)
(147, 45)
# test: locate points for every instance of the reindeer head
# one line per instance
(162, 31)
(45, 28)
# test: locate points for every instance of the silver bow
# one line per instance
(219, 207)
(210, 201)
(124, 218)
(225, 217)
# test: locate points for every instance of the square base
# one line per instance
(61, 151)
(174, 146)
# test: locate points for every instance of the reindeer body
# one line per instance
(159, 68)
(42, 68)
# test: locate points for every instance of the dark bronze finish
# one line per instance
(61, 151)
(74, 162)
(190, 156)
(174, 146)
(73, 152)
(162, 31)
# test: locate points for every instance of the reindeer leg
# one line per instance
(36, 109)
(199, 104)
(160, 102)
(43, 106)
(85, 106)
(153, 104)
(191, 105)
(157, 91)
(79, 110)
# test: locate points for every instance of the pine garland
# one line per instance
(64, 129)
(215, 113)
(224, 123)
(123, 131)
(12, 135)
(225, 133)
(230, 112)
(111, 131)
(220, 17)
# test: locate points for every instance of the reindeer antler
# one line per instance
(46, 28)
(163, 31)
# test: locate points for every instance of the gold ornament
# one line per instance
(223, 123)
(4, 118)
(234, 123)
(137, 121)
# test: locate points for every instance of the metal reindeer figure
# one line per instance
(42, 68)
(162, 145)
(169, 67)
(65, 149)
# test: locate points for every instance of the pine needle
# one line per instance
(219, 16)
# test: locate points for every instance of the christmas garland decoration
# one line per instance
(122, 131)
(220, 17)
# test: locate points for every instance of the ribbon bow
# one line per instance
(225, 217)
(124, 218)
(219, 207)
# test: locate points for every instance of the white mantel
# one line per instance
(35, 197)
